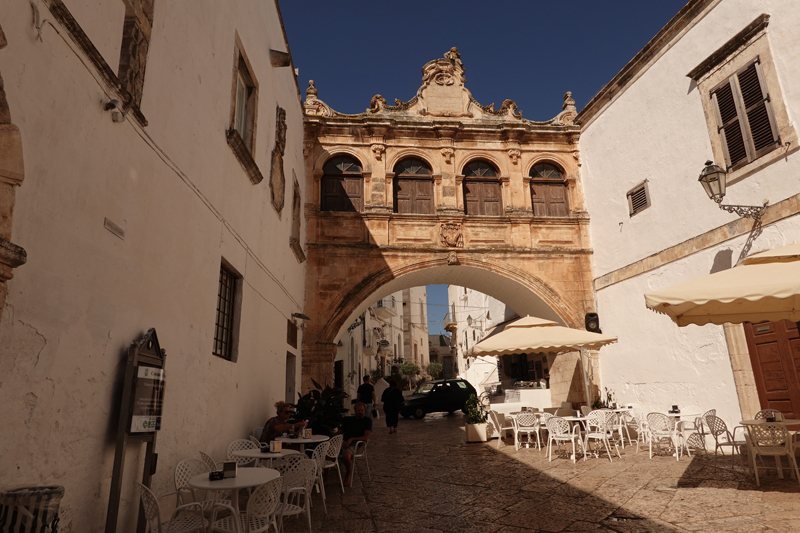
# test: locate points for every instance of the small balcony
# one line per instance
(385, 308)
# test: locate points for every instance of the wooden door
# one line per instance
(775, 355)
(483, 198)
(413, 195)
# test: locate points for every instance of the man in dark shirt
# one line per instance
(366, 395)
(356, 429)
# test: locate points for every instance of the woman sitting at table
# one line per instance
(278, 425)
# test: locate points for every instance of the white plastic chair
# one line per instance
(318, 456)
(255, 441)
(525, 424)
(585, 410)
(559, 431)
(332, 457)
(257, 432)
(299, 473)
(772, 440)
(260, 515)
(181, 521)
(660, 428)
(209, 461)
(599, 427)
(238, 445)
(360, 452)
(500, 428)
(724, 438)
(184, 471)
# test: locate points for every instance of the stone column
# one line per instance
(12, 172)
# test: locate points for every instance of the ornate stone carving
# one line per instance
(277, 181)
(311, 91)
(508, 109)
(514, 154)
(448, 155)
(452, 258)
(378, 150)
(567, 116)
(450, 235)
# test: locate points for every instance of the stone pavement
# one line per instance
(426, 479)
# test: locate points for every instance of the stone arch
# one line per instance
(461, 162)
(379, 283)
(358, 155)
(570, 170)
(405, 153)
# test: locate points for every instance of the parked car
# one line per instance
(442, 396)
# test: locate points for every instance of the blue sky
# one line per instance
(529, 51)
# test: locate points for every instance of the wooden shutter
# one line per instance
(423, 197)
(491, 198)
(354, 194)
(729, 127)
(557, 194)
(539, 199)
(413, 195)
(763, 132)
(403, 195)
(472, 197)
(332, 193)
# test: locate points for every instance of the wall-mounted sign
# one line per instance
(147, 401)
(383, 344)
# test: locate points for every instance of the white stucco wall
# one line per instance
(656, 130)
(184, 202)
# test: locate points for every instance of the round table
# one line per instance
(784, 422)
(258, 454)
(302, 441)
(245, 477)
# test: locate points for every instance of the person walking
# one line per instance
(366, 395)
(392, 399)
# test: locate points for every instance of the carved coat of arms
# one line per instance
(451, 236)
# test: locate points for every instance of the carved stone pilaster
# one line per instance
(514, 154)
(378, 151)
(448, 153)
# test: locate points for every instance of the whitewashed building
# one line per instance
(154, 154)
(720, 82)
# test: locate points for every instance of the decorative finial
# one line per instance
(311, 92)
(568, 101)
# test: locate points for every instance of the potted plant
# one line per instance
(323, 407)
(476, 420)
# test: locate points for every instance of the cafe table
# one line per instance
(245, 478)
(258, 455)
(302, 441)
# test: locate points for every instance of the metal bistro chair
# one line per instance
(772, 440)
(660, 428)
(318, 456)
(599, 427)
(184, 471)
(255, 441)
(332, 457)
(299, 474)
(209, 461)
(500, 428)
(260, 515)
(525, 424)
(559, 431)
(181, 520)
(724, 438)
(238, 445)
(360, 452)
(257, 432)
(769, 413)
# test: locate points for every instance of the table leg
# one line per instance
(235, 501)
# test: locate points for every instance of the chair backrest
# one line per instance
(264, 500)
(565, 412)
(768, 413)
(527, 420)
(551, 410)
(585, 410)
(716, 426)
(770, 436)
(335, 446)
(361, 449)
(238, 445)
(255, 441)
(296, 470)
(150, 506)
(557, 426)
(320, 452)
(544, 417)
(712, 412)
(209, 461)
(659, 422)
(493, 416)
(257, 432)
(187, 469)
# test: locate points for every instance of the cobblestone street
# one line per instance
(427, 479)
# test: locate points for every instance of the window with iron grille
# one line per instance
(638, 199)
(227, 323)
(745, 121)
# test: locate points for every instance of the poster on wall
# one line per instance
(148, 398)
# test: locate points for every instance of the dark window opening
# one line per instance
(548, 191)
(413, 187)
(227, 321)
(342, 185)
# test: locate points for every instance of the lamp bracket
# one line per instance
(745, 211)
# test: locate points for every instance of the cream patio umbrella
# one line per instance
(537, 335)
(765, 286)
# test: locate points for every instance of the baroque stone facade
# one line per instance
(450, 148)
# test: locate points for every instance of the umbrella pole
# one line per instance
(585, 377)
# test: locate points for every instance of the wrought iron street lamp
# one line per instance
(713, 179)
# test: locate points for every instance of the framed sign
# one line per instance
(147, 400)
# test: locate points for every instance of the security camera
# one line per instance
(111, 104)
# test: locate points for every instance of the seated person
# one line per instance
(278, 425)
(356, 429)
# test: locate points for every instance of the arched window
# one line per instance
(342, 185)
(548, 191)
(413, 187)
(482, 192)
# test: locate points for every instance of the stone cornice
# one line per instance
(726, 50)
